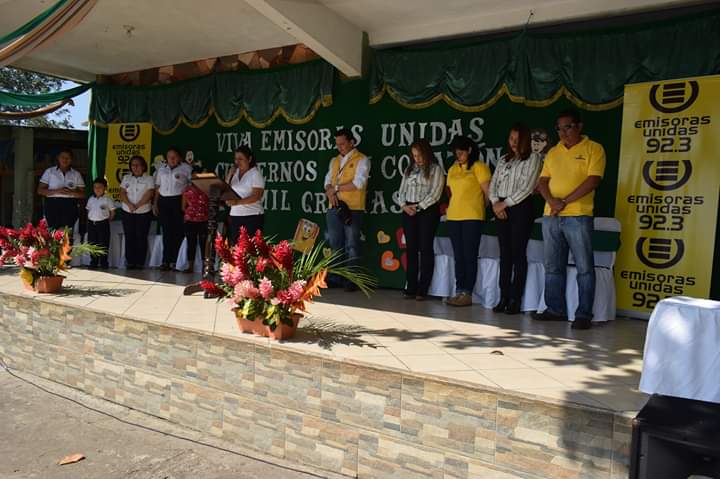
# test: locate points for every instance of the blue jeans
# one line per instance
(465, 238)
(559, 234)
(345, 238)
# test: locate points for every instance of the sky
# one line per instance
(79, 112)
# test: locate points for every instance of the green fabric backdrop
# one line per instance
(294, 92)
(592, 67)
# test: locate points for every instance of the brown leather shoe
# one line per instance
(463, 299)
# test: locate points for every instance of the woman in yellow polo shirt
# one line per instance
(468, 181)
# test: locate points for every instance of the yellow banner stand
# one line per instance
(667, 195)
(125, 140)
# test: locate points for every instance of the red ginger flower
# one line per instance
(260, 245)
(211, 288)
(39, 254)
(222, 248)
(282, 255)
(42, 230)
(26, 233)
(242, 247)
(262, 264)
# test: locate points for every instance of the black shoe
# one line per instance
(164, 267)
(130, 266)
(105, 266)
(513, 308)
(350, 288)
(93, 266)
(581, 323)
(501, 306)
(420, 297)
(408, 295)
(547, 316)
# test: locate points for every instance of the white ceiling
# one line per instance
(389, 22)
(166, 32)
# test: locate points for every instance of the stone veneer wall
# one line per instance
(341, 416)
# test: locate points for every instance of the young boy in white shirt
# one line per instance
(101, 210)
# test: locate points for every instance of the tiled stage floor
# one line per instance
(600, 367)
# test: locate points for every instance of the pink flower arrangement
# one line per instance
(266, 281)
(39, 251)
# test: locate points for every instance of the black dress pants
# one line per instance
(419, 236)
(61, 213)
(513, 236)
(136, 228)
(98, 233)
(195, 232)
(170, 216)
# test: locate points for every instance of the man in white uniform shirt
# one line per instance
(62, 187)
(171, 180)
(346, 189)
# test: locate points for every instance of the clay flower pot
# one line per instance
(256, 327)
(48, 284)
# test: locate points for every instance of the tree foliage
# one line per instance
(23, 81)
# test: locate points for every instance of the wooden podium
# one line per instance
(217, 191)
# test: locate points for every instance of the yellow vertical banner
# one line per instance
(125, 140)
(667, 194)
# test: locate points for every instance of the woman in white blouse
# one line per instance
(511, 188)
(62, 187)
(137, 191)
(248, 182)
(170, 181)
(420, 190)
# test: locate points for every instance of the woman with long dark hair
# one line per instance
(468, 181)
(420, 190)
(513, 182)
(137, 191)
(171, 181)
(62, 187)
(246, 179)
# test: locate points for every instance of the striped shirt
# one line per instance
(515, 180)
(416, 189)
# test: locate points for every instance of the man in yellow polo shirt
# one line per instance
(572, 171)
(346, 189)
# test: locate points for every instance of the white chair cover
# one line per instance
(116, 252)
(487, 291)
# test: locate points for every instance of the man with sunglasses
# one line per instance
(572, 171)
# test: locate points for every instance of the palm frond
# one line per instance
(87, 248)
(313, 261)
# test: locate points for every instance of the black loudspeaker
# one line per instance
(674, 438)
